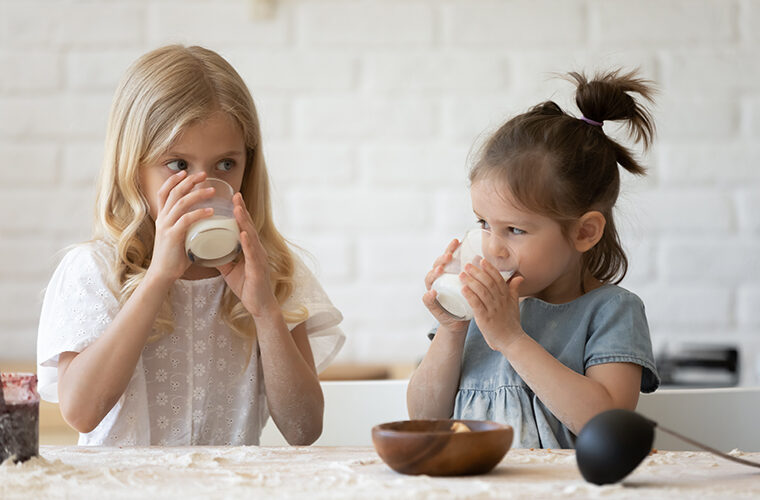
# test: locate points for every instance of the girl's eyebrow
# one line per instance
(517, 223)
(233, 152)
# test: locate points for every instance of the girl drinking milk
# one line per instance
(139, 343)
(559, 341)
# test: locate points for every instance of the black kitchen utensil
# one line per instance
(612, 444)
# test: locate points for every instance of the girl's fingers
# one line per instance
(439, 263)
(255, 254)
(432, 275)
(476, 287)
(183, 187)
(476, 303)
(514, 285)
(249, 255)
(493, 274)
(443, 259)
(182, 205)
(245, 245)
(429, 299)
(185, 221)
(243, 218)
(479, 282)
(447, 254)
(167, 186)
(452, 246)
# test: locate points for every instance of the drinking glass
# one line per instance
(215, 240)
(472, 249)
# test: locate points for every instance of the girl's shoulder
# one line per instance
(599, 297)
(611, 293)
(612, 298)
(91, 257)
(611, 301)
(97, 250)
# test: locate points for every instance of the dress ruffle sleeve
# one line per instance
(77, 308)
(325, 337)
(621, 335)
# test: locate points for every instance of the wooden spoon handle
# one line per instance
(708, 448)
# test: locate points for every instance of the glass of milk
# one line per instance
(470, 251)
(215, 240)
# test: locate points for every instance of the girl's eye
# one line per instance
(177, 165)
(484, 224)
(225, 165)
(514, 230)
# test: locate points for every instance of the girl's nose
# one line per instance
(498, 248)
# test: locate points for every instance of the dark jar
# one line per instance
(19, 417)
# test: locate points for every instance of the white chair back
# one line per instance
(721, 418)
(352, 408)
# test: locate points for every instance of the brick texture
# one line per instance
(371, 112)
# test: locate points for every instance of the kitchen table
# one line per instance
(352, 472)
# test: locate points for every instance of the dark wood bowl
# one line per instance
(431, 447)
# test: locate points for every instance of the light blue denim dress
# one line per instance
(605, 325)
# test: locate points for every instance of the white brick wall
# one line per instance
(348, 24)
(369, 111)
(654, 23)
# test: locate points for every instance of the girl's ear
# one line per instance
(589, 229)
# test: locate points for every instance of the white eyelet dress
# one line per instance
(195, 386)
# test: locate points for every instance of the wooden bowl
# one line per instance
(431, 447)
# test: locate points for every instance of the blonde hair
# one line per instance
(162, 93)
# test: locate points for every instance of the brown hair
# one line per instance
(562, 167)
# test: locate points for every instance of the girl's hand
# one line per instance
(495, 304)
(429, 298)
(173, 220)
(249, 277)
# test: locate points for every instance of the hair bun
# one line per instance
(607, 97)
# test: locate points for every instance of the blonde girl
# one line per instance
(141, 346)
(560, 342)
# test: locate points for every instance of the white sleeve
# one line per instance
(77, 308)
(325, 337)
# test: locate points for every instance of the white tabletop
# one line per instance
(342, 472)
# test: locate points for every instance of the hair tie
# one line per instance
(590, 121)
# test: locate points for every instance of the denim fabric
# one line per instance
(605, 325)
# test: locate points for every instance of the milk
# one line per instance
(213, 241)
(448, 287)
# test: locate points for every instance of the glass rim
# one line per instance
(215, 180)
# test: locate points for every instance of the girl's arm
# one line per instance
(92, 381)
(572, 397)
(292, 386)
(293, 392)
(434, 383)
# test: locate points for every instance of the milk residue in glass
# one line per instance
(448, 286)
(215, 240)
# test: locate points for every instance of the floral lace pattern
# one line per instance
(194, 386)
